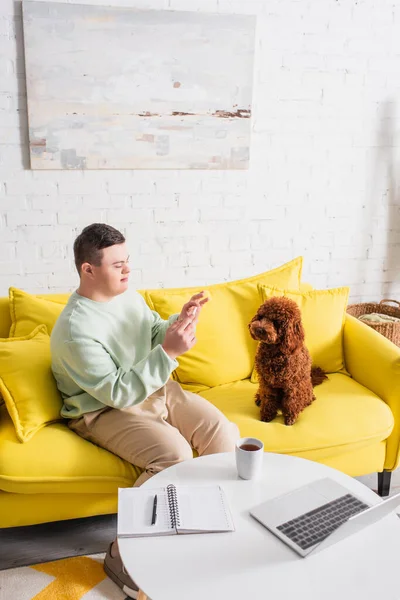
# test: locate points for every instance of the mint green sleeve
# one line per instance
(92, 369)
(160, 327)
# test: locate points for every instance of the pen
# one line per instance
(154, 516)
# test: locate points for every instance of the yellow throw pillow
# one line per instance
(224, 351)
(27, 383)
(27, 311)
(323, 313)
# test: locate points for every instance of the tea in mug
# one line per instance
(249, 447)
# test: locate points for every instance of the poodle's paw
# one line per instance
(290, 419)
(257, 399)
(267, 416)
(310, 400)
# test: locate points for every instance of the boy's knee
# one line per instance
(225, 436)
(180, 452)
(176, 452)
(230, 432)
(170, 455)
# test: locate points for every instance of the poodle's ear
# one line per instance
(294, 337)
(249, 326)
(256, 317)
(252, 335)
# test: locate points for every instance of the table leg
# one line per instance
(142, 596)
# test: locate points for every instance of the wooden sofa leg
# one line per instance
(384, 483)
(142, 595)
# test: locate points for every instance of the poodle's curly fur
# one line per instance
(283, 363)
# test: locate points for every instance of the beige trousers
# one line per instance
(161, 431)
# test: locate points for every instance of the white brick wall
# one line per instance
(324, 178)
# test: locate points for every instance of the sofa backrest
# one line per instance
(5, 319)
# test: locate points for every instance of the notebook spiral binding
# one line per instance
(173, 506)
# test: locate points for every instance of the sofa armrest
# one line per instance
(374, 362)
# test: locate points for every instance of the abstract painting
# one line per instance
(123, 88)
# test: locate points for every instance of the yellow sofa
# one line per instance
(353, 426)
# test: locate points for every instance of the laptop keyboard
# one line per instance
(313, 527)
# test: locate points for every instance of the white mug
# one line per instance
(249, 462)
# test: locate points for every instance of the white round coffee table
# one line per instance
(251, 562)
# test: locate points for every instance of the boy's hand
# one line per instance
(180, 337)
(193, 307)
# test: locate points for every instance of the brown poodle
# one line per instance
(283, 363)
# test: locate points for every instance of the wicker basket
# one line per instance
(389, 330)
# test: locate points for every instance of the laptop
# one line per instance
(319, 514)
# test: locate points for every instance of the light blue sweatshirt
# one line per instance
(108, 353)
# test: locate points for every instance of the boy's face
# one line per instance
(111, 278)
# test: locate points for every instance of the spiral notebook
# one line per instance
(181, 509)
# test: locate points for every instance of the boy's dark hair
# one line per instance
(90, 242)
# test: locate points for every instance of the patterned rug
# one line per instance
(80, 577)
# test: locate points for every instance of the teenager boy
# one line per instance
(112, 358)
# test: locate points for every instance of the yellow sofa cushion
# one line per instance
(56, 460)
(323, 313)
(27, 383)
(224, 350)
(344, 417)
(27, 311)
